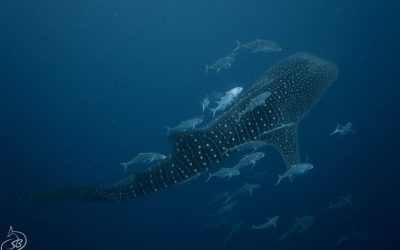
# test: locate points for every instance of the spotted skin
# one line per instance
(295, 84)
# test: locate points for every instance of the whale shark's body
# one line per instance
(296, 83)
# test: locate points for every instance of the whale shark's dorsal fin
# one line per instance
(287, 143)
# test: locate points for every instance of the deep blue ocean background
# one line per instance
(85, 85)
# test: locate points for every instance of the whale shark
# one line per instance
(296, 83)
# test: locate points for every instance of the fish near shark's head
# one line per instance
(235, 91)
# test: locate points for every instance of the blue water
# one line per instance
(85, 85)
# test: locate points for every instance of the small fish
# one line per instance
(250, 159)
(204, 103)
(187, 124)
(220, 221)
(255, 145)
(227, 99)
(299, 226)
(343, 130)
(283, 126)
(255, 102)
(271, 222)
(246, 188)
(294, 171)
(194, 177)
(222, 63)
(224, 173)
(259, 45)
(215, 95)
(235, 229)
(143, 158)
(225, 208)
(219, 197)
(344, 201)
(353, 234)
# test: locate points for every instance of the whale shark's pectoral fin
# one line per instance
(287, 143)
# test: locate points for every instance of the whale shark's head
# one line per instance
(299, 81)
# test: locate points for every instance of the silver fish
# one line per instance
(255, 102)
(300, 225)
(235, 229)
(353, 234)
(225, 208)
(219, 197)
(222, 63)
(283, 126)
(227, 99)
(250, 159)
(344, 201)
(219, 222)
(247, 145)
(343, 129)
(294, 171)
(271, 222)
(187, 124)
(259, 45)
(224, 173)
(246, 188)
(204, 103)
(143, 158)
